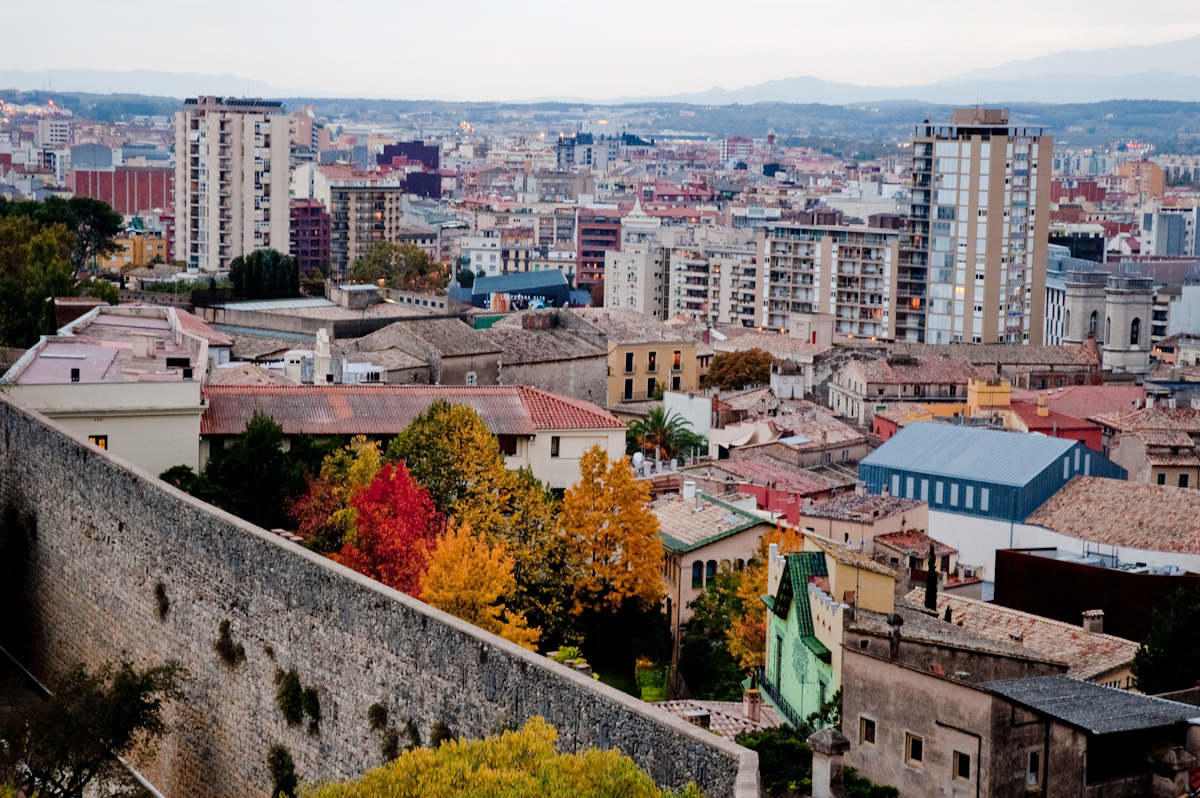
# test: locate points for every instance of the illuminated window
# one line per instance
(99, 440)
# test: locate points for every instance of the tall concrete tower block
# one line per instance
(1083, 312)
(1128, 308)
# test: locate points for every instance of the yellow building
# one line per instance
(643, 354)
(136, 250)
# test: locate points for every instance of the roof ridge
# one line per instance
(1014, 611)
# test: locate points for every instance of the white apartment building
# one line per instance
(848, 272)
(979, 221)
(231, 180)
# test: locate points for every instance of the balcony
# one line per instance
(771, 691)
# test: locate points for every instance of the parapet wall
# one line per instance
(85, 539)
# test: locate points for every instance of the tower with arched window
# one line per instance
(1128, 308)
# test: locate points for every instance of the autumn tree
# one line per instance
(612, 536)
(524, 763)
(323, 513)
(450, 451)
(395, 524)
(747, 634)
(735, 370)
(471, 579)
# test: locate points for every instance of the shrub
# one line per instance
(439, 734)
(231, 653)
(283, 772)
(310, 702)
(289, 696)
(160, 598)
(377, 716)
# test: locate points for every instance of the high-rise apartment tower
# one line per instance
(973, 265)
(231, 180)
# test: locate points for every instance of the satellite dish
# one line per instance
(638, 459)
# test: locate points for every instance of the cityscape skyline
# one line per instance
(502, 56)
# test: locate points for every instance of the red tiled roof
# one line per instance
(1180, 418)
(388, 409)
(1028, 411)
(914, 543)
(762, 472)
(199, 327)
(1085, 401)
(1088, 655)
(919, 371)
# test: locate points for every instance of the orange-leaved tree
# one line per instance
(395, 524)
(471, 579)
(747, 635)
(612, 536)
(324, 511)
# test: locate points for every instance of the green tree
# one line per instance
(96, 229)
(405, 266)
(735, 370)
(661, 433)
(103, 289)
(465, 277)
(1167, 657)
(34, 268)
(264, 272)
(450, 451)
(514, 764)
(62, 745)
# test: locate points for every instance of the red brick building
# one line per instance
(310, 233)
(131, 190)
(599, 231)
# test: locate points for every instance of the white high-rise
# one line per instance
(231, 180)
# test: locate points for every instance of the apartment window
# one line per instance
(554, 441)
(914, 750)
(845, 454)
(866, 731)
(628, 390)
(1183, 480)
(962, 766)
(675, 383)
(651, 384)
(652, 361)
(629, 362)
(1162, 478)
(676, 360)
(698, 574)
(472, 378)
(99, 440)
(1033, 770)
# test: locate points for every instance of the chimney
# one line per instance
(697, 717)
(752, 705)
(1042, 410)
(144, 345)
(689, 489)
(1093, 621)
(699, 501)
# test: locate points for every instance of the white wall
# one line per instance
(977, 540)
(693, 406)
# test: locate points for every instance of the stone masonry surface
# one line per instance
(85, 538)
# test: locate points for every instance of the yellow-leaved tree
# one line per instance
(515, 764)
(450, 451)
(747, 634)
(612, 536)
(471, 579)
(324, 511)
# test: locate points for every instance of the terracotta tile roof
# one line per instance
(767, 471)
(540, 346)
(1162, 437)
(848, 556)
(388, 409)
(901, 411)
(914, 543)
(920, 624)
(246, 374)
(623, 326)
(918, 371)
(781, 347)
(853, 507)
(1085, 401)
(1119, 513)
(1177, 418)
(1006, 354)
(684, 528)
(426, 337)
(1088, 655)
(725, 718)
(199, 327)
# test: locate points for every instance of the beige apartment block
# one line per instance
(231, 180)
(980, 218)
(846, 272)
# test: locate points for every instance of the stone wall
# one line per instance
(85, 539)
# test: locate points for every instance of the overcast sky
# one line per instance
(488, 50)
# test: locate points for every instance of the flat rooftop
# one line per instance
(102, 348)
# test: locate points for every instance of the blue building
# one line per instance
(521, 291)
(982, 472)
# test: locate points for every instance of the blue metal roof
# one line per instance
(948, 450)
(519, 281)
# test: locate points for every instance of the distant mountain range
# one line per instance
(1168, 71)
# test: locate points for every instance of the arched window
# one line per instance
(1108, 330)
(710, 571)
(698, 574)
(1135, 332)
(1092, 324)
(741, 564)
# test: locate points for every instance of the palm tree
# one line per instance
(665, 434)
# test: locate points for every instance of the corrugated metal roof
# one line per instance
(1092, 707)
(948, 450)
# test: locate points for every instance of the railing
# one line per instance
(772, 692)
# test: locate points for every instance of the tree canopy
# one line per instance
(264, 273)
(1167, 657)
(612, 536)
(664, 434)
(62, 745)
(35, 267)
(405, 266)
(93, 224)
(514, 764)
(735, 370)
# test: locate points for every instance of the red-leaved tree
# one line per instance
(395, 526)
